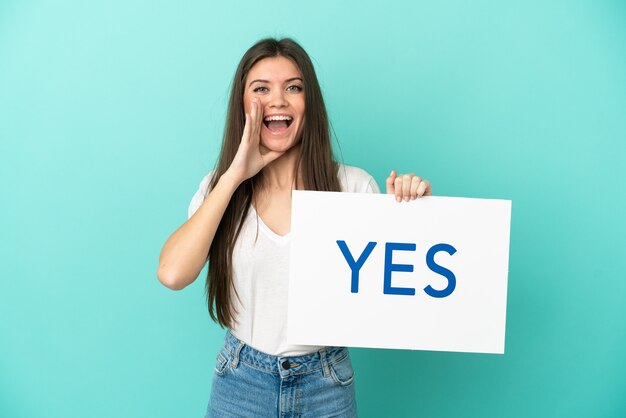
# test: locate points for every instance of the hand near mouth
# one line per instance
(249, 159)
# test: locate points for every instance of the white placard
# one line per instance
(435, 277)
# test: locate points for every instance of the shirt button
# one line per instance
(286, 365)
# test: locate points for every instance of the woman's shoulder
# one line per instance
(356, 180)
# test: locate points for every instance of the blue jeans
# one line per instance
(249, 383)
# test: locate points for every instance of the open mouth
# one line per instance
(278, 123)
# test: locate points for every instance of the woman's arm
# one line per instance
(185, 251)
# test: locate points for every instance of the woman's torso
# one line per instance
(261, 274)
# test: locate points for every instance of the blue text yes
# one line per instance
(390, 247)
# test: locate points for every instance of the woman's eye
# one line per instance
(294, 88)
(260, 89)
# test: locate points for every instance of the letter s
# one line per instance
(430, 261)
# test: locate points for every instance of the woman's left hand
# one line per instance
(407, 186)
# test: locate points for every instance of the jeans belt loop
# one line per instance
(324, 361)
(235, 361)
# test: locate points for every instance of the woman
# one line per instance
(276, 139)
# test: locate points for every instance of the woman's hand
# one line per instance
(250, 158)
(407, 186)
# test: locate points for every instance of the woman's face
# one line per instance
(278, 86)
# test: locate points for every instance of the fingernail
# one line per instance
(398, 198)
(406, 198)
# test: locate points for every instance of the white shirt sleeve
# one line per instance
(356, 180)
(372, 186)
(198, 197)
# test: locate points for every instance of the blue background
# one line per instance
(112, 111)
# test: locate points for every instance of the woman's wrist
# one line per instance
(230, 181)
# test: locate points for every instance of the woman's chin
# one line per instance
(277, 144)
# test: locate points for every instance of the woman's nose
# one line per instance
(277, 99)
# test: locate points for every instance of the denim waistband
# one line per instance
(285, 366)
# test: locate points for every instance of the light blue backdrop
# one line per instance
(112, 111)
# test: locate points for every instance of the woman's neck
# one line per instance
(279, 174)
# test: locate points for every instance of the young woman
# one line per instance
(276, 139)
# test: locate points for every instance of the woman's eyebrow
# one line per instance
(257, 81)
(289, 80)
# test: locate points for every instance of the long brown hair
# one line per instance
(316, 165)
